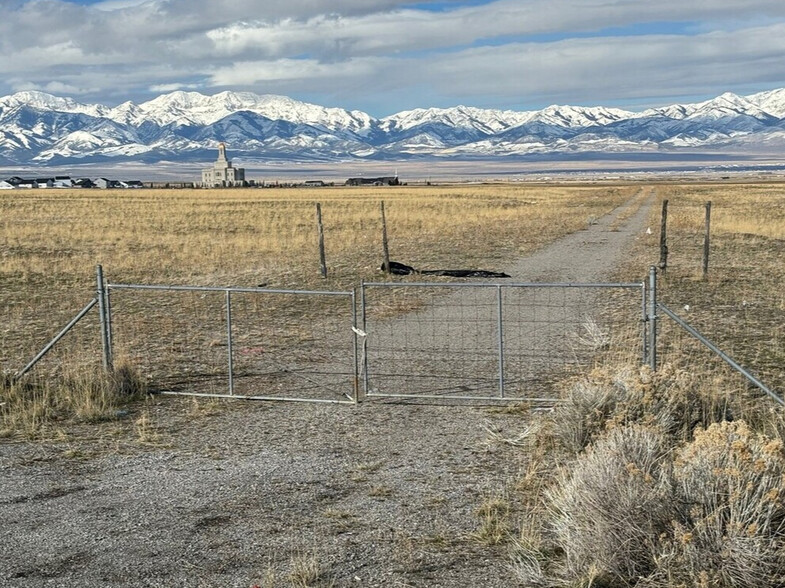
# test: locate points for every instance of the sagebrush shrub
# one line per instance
(610, 508)
(673, 400)
(731, 483)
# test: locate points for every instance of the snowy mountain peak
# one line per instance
(772, 102)
(468, 117)
(195, 108)
(728, 104)
(44, 101)
(580, 116)
(40, 127)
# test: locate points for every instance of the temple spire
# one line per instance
(222, 152)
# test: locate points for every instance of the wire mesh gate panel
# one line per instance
(479, 341)
(242, 342)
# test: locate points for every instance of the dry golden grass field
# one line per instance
(740, 305)
(51, 242)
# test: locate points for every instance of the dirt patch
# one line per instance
(380, 494)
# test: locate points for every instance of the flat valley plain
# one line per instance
(52, 240)
(50, 243)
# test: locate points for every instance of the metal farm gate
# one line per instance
(253, 343)
(447, 341)
(489, 341)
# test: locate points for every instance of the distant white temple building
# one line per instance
(222, 174)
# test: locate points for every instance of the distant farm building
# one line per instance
(105, 183)
(84, 183)
(222, 173)
(383, 181)
(68, 182)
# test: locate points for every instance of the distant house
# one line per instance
(6, 186)
(222, 173)
(314, 183)
(382, 181)
(105, 184)
(83, 183)
(134, 184)
(45, 182)
(63, 182)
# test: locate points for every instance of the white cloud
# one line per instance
(166, 88)
(300, 71)
(502, 53)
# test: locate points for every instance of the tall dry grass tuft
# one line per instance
(28, 407)
(307, 572)
(494, 527)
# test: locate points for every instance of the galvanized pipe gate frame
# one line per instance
(351, 397)
(650, 308)
(499, 288)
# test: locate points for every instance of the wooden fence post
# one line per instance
(707, 240)
(322, 257)
(664, 237)
(385, 248)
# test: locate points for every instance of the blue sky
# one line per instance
(384, 56)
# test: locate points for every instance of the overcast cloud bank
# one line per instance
(384, 56)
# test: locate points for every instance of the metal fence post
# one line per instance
(356, 390)
(364, 328)
(664, 237)
(652, 318)
(500, 328)
(103, 318)
(707, 240)
(385, 245)
(322, 256)
(644, 322)
(229, 340)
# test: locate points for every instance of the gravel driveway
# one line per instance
(280, 494)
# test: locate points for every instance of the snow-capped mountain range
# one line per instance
(38, 128)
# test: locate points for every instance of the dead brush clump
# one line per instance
(29, 405)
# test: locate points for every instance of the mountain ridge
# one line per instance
(37, 128)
